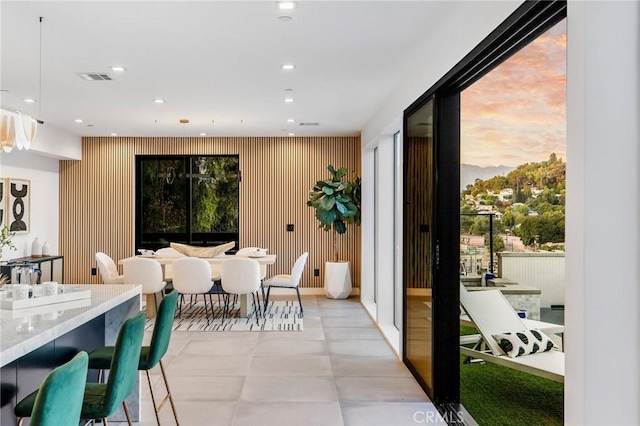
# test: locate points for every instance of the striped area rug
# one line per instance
(280, 316)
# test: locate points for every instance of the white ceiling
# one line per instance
(211, 61)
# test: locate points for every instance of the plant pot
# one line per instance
(337, 280)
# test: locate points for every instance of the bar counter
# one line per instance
(33, 341)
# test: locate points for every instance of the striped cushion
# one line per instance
(520, 343)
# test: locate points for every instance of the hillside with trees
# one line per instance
(528, 202)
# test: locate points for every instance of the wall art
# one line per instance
(18, 210)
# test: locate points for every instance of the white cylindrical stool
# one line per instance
(337, 280)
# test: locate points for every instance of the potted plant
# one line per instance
(337, 203)
(5, 239)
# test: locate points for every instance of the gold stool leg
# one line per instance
(153, 398)
(166, 385)
(126, 412)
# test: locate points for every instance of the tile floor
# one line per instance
(338, 371)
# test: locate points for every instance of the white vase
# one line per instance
(337, 280)
(46, 249)
(36, 248)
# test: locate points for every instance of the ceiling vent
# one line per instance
(94, 76)
(309, 124)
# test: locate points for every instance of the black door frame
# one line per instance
(529, 21)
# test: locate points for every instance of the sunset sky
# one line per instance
(516, 114)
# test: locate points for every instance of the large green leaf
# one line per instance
(341, 207)
(343, 198)
(328, 190)
(315, 196)
(327, 217)
(327, 203)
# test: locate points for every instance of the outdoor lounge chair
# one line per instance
(492, 314)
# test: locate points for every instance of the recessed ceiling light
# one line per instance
(287, 5)
(118, 68)
(78, 120)
(29, 100)
(203, 134)
(114, 134)
(288, 100)
(158, 101)
(288, 66)
(290, 120)
(292, 134)
(285, 18)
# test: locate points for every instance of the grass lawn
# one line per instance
(496, 395)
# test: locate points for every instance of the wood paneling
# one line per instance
(97, 198)
(418, 212)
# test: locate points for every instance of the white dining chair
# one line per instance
(108, 269)
(289, 280)
(241, 276)
(148, 273)
(248, 251)
(192, 276)
(168, 253)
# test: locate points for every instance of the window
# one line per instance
(190, 199)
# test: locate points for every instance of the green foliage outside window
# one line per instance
(185, 195)
(215, 194)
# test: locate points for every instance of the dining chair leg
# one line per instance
(155, 301)
(206, 312)
(255, 308)
(300, 302)
(166, 385)
(213, 311)
(126, 413)
(266, 303)
(225, 297)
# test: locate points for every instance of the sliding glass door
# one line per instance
(418, 250)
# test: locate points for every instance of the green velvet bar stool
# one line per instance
(101, 400)
(59, 399)
(151, 355)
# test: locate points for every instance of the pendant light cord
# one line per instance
(40, 75)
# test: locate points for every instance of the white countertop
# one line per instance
(23, 330)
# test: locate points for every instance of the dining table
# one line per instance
(215, 262)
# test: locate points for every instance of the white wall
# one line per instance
(602, 321)
(454, 33)
(41, 166)
(55, 143)
(43, 172)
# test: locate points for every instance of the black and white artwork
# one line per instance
(18, 194)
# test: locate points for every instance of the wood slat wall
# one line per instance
(419, 211)
(97, 198)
